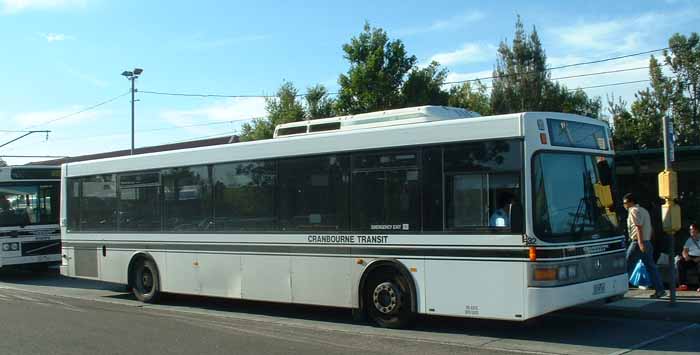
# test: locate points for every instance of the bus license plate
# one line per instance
(599, 288)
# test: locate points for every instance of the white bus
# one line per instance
(429, 210)
(29, 230)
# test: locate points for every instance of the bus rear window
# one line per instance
(577, 135)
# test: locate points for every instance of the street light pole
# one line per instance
(133, 86)
(132, 75)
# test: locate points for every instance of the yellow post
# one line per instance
(670, 211)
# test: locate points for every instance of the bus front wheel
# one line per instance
(387, 300)
(146, 281)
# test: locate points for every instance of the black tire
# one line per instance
(387, 299)
(146, 281)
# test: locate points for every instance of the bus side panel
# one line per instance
(220, 275)
(475, 288)
(322, 281)
(180, 273)
(112, 265)
(267, 278)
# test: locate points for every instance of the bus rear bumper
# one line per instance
(543, 300)
(20, 260)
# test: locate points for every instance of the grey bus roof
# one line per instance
(376, 119)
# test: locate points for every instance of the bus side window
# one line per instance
(482, 186)
(386, 191)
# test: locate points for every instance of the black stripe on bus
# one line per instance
(334, 249)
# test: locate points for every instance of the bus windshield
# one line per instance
(570, 202)
(28, 204)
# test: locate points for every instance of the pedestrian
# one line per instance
(690, 257)
(640, 248)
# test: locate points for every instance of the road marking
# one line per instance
(651, 341)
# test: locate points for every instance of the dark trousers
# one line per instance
(683, 266)
(647, 257)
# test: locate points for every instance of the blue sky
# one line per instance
(62, 56)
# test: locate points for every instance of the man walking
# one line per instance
(639, 228)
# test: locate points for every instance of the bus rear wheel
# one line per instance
(146, 281)
(387, 300)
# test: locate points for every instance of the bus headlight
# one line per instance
(554, 274)
(6, 247)
(14, 246)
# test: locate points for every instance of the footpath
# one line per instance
(637, 304)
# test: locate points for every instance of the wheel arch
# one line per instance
(387, 263)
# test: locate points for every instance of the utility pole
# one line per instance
(668, 190)
(132, 75)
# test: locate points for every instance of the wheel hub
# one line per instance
(147, 280)
(386, 298)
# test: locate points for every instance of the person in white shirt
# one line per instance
(640, 248)
(690, 257)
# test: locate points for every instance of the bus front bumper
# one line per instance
(543, 300)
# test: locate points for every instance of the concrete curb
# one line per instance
(637, 305)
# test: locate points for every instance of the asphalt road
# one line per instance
(49, 314)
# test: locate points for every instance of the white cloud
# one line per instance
(17, 6)
(623, 34)
(238, 109)
(460, 77)
(468, 53)
(56, 37)
(446, 24)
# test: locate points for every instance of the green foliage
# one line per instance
(471, 98)
(424, 87)
(283, 108)
(682, 88)
(377, 71)
(287, 107)
(677, 95)
(318, 104)
(522, 82)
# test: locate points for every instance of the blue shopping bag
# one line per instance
(640, 276)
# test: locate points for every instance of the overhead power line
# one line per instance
(449, 82)
(208, 95)
(80, 111)
(559, 67)
(159, 129)
(613, 84)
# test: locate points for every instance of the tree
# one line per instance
(283, 108)
(377, 71)
(677, 95)
(681, 90)
(471, 98)
(424, 87)
(523, 83)
(318, 104)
